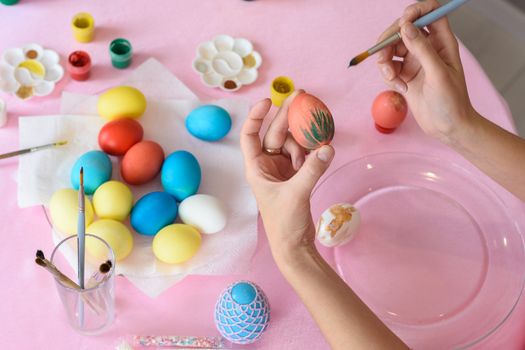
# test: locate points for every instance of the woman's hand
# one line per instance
(282, 184)
(429, 74)
(282, 179)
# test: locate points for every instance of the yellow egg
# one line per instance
(64, 210)
(121, 102)
(176, 243)
(115, 233)
(113, 200)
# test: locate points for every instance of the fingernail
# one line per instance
(410, 31)
(325, 153)
(387, 72)
(400, 87)
(259, 103)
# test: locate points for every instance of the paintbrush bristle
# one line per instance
(82, 176)
(61, 143)
(358, 59)
(40, 254)
(104, 268)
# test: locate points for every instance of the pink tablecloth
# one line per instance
(309, 40)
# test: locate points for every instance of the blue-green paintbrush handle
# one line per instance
(420, 23)
(438, 13)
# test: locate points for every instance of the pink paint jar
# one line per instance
(79, 65)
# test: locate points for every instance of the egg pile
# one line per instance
(155, 213)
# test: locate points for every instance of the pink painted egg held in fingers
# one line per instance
(389, 111)
(310, 122)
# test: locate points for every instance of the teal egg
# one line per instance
(181, 175)
(153, 212)
(209, 122)
(97, 170)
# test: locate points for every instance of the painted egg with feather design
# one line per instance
(310, 122)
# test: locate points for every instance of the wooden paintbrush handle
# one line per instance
(69, 283)
(14, 154)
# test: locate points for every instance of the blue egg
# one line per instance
(181, 175)
(152, 212)
(209, 122)
(97, 170)
(242, 312)
(243, 293)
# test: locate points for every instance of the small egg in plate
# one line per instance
(338, 225)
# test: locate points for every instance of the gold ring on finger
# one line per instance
(272, 151)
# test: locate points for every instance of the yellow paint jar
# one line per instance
(83, 26)
(281, 88)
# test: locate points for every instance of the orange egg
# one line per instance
(142, 162)
(310, 122)
(388, 111)
(117, 136)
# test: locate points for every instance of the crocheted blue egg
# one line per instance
(242, 312)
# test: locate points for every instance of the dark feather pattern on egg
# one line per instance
(311, 123)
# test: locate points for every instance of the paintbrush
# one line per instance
(81, 242)
(420, 23)
(32, 149)
(104, 268)
(56, 272)
(81, 230)
(40, 255)
(66, 281)
(99, 275)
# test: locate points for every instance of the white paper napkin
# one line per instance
(42, 173)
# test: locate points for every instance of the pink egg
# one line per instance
(310, 122)
(388, 111)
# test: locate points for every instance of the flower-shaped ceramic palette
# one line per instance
(227, 63)
(29, 71)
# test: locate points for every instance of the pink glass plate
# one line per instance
(438, 256)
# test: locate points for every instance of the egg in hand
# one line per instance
(311, 123)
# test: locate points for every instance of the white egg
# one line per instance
(204, 212)
(338, 225)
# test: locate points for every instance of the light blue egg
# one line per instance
(242, 312)
(209, 122)
(181, 175)
(97, 170)
(152, 212)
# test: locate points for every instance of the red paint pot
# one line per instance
(79, 65)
